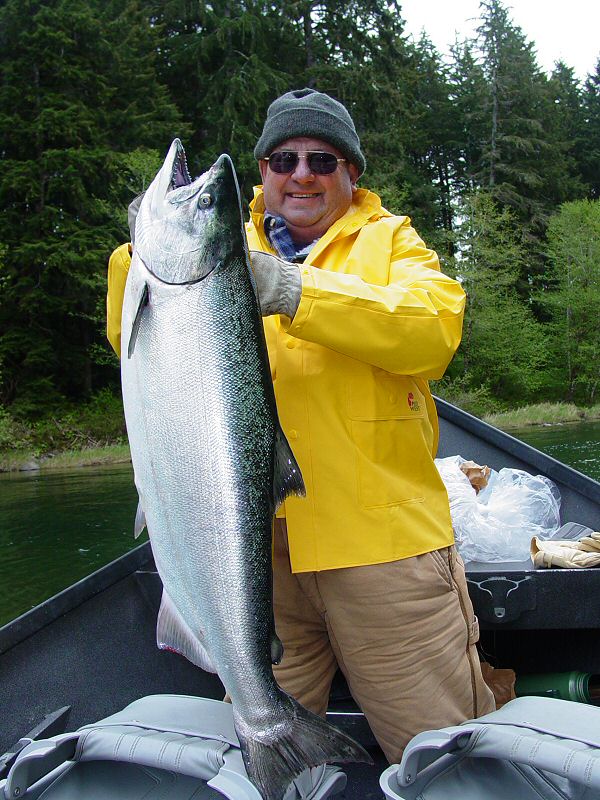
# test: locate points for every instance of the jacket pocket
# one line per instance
(379, 395)
(389, 462)
(387, 418)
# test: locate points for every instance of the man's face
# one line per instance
(308, 203)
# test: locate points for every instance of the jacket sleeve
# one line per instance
(390, 306)
(118, 267)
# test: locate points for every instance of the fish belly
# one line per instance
(201, 428)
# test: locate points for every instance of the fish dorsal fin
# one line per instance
(135, 328)
(287, 477)
(140, 521)
(173, 633)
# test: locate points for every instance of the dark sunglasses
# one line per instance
(285, 161)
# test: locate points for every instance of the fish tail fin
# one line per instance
(308, 742)
(287, 478)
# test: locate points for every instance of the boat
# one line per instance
(531, 620)
(90, 650)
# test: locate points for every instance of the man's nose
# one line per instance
(302, 172)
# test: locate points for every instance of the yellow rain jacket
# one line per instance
(376, 319)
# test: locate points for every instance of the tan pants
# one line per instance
(403, 634)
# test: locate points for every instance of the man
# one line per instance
(357, 318)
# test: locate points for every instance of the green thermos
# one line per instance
(582, 687)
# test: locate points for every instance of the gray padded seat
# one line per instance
(533, 748)
(167, 747)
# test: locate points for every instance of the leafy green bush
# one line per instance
(14, 435)
(98, 422)
(476, 400)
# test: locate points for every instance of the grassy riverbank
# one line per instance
(94, 434)
(68, 436)
(15, 460)
(542, 414)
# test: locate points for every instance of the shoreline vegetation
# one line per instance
(542, 414)
(24, 461)
(50, 457)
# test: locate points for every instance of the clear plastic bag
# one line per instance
(498, 523)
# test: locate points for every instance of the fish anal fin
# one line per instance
(140, 521)
(174, 634)
(137, 321)
(287, 477)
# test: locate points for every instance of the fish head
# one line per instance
(185, 228)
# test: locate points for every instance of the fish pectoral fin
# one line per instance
(173, 633)
(287, 477)
(140, 521)
(137, 321)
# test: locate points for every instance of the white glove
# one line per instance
(567, 553)
(278, 283)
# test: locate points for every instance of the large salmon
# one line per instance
(210, 459)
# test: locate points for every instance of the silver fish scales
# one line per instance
(210, 459)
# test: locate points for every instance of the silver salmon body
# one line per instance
(210, 459)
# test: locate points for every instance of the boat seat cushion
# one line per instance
(161, 747)
(103, 780)
(533, 748)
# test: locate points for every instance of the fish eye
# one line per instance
(205, 200)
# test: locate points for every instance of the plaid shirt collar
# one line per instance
(279, 236)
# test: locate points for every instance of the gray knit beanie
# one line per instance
(305, 112)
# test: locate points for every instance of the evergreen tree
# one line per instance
(516, 145)
(75, 92)
(224, 62)
(590, 149)
(437, 132)
(503, 347)
(565, 121)
(527, 163)
(468, 93)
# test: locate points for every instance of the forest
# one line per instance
(496, 162)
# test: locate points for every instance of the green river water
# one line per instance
(57, 527)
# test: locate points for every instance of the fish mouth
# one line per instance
(174, 174)
(180, 174)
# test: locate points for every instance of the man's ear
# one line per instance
(353, 172)
(263, 166)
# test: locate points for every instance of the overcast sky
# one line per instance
(569, 30)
